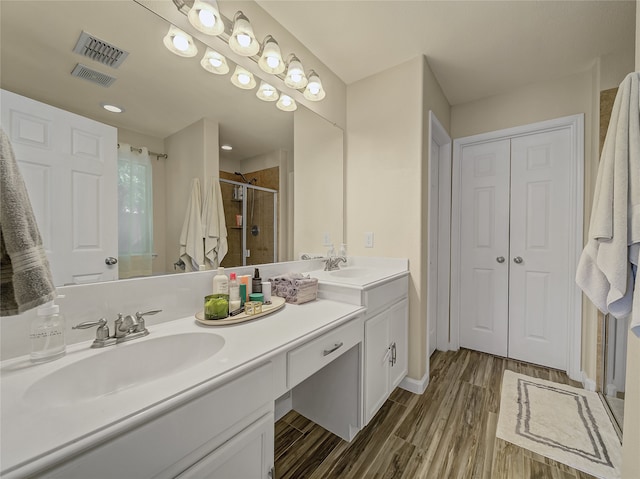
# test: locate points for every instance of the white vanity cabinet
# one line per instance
(227, 429)
(386, 343)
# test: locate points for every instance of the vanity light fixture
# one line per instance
(314, 90)
(179, 42)
(112, 108)
(243, 78)
(271, 59)
(214, 62)
(242, 40)
(295, 77)
(266, 92)
(205, 16)
(286, 103)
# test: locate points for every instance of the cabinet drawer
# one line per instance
(317, 353)
(386, 294)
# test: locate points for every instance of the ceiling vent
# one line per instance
(99, 50)
(94, 76)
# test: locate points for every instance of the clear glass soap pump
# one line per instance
(47, 333)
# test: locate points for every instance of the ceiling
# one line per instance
(476, 49)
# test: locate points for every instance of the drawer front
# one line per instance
(386, 294)
(317, 353)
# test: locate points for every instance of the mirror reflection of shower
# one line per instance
(255, 229)
(251, 218)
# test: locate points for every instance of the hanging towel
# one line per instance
(25, 277)
(191, 246)
(213, 225)
(608, 265)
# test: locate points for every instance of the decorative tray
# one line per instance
(276, 303)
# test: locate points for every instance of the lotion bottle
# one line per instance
(234, 293)
(220, 282)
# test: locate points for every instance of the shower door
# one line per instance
(252, 223)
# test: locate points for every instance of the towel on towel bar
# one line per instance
(191, 238)
(213, 225)
(25, 277)
(608, 266)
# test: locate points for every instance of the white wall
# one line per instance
(631, 439)
(385, 177)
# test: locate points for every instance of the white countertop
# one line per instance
(37, 435)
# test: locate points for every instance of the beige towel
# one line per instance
(191, 239)
(605, 271)
(213, 225)
(25, 277)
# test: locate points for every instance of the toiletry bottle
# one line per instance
(256, 282)
(332, 252)
(343, 253)
(47, 333)
(243, 294)
(220, 282)
(234, 293)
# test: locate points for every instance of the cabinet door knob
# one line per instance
(500, 259)
(110, 260)
(517, 260)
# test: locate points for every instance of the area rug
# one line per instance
(563, 423)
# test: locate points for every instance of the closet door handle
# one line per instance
(500, 259)
(517, 260)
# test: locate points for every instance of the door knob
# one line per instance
(517, 260)
(500, 259)
(110, 260)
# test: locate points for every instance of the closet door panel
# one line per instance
(538, 305)
(484, 237)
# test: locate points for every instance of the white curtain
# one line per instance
(135, 212)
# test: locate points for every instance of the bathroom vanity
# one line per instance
(196, 401)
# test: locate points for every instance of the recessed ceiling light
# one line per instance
(112, 108)
(227, 147)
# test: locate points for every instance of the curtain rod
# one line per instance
(157, 155)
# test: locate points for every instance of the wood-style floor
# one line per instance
(447, 432)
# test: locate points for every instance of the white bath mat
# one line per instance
(563, 423)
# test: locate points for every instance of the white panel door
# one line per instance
(432, 253)
(539, 260)
(484, 247)
(69, 164)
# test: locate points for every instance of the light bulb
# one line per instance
(314, 88)
(215, 62)
(244, 78)
(268, 93)
(244, 40)
(273, 62)
(181, 43)
(296, 77)
(286, 101)
(207, 18)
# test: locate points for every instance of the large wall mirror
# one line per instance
(173, 107)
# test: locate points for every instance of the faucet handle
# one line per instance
(101, 333)
(139, 315)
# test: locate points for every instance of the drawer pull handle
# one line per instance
(336, 346)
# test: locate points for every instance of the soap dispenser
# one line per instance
(256, 282)
(47, 333)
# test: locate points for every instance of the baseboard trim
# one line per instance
(587, 383)
(416, 386)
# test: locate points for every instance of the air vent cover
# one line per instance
(87, 73)
(99, 50)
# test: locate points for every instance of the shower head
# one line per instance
(242, 176)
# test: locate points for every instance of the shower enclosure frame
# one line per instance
(245, 189)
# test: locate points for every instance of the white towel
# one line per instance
(191, 238)
(606, 268)
(213, 225)
(25, 277)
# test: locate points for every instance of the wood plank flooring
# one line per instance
(447, 432)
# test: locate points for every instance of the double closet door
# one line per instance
(514, 247)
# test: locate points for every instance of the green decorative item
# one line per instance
(216, 306)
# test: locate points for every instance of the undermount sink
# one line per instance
(123, 366)
(350, 272)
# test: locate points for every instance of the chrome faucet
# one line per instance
(125, 328)
(332, 262)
